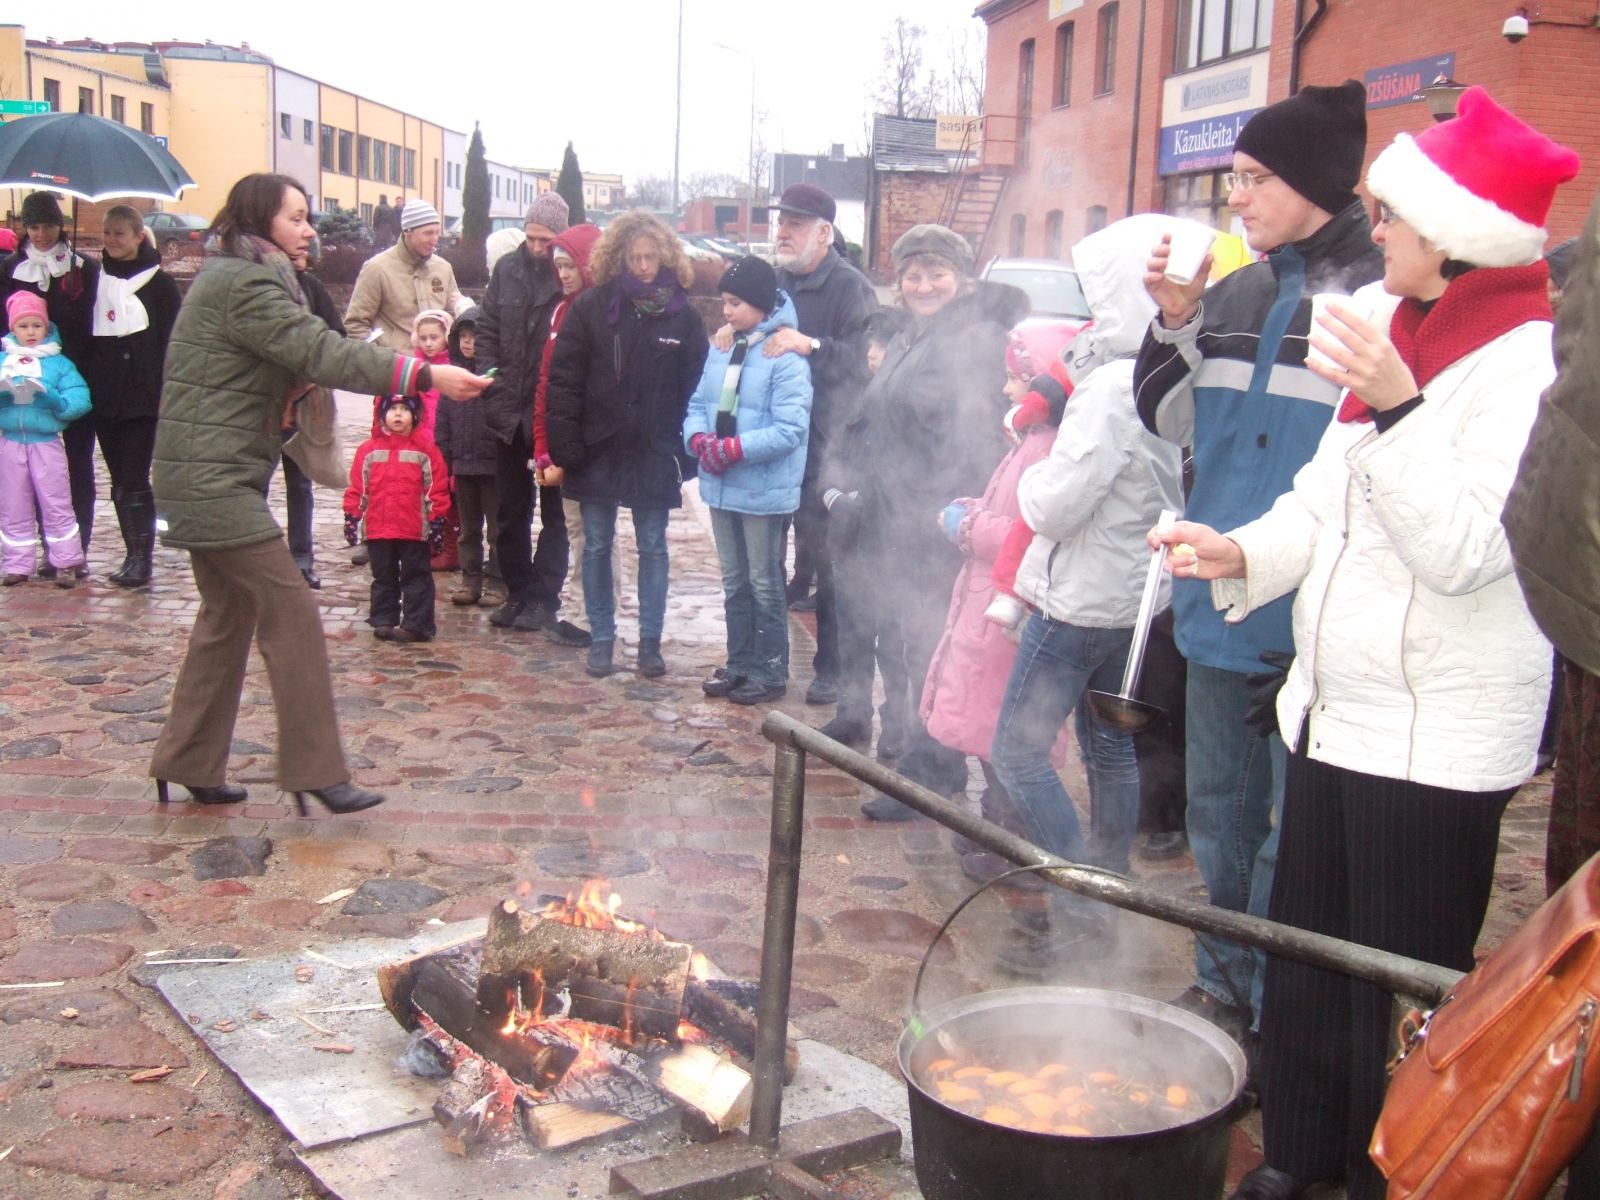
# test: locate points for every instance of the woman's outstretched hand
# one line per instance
(1198, 551)
(1369, 365)
(458, 383)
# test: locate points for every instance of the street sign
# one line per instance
(24, 108)
(160, 139)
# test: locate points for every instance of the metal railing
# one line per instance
(1410, 978)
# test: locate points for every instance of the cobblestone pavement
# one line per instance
(502, 762)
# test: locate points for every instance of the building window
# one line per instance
(1094, 219)
(1202, 198)
(411, 168)
(147, 118)
(1213, 29)
(328, 163)
(307, 134)
(364, 157)
(1019, 235)
(347, 152)
(366, 214)
(86, 100)
(119, 110)
(1052, 233)
(285, 125)
(329, 204)
(1024, 99)
(380, 160)
(1064, 37)
(52, 94)
(394, 164)
(497, 187)
(1105, 58)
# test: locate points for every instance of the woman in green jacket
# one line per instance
(245, 345)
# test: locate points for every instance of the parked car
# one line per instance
(176, 227)
(1058, 308)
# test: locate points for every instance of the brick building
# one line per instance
(1099, 108)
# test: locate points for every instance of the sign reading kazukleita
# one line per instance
(1204, 145)
(1401, 83)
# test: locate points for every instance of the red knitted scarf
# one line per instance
(1475, 309)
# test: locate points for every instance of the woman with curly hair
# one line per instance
(629, 357)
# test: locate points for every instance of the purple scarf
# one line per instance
(651, 299)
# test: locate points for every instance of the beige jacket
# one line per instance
(393, 288)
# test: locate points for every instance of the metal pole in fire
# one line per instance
(777, 943)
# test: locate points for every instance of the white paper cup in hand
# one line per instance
(1319, 308)
(1191, 242)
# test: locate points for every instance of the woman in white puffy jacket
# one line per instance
(1415, 703)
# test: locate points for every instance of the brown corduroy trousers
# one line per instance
(252, 592)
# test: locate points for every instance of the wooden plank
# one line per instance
(702, 1079)
(613, 978)
(397, 979)
(555, 1125)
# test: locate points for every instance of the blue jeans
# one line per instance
(750, 549)
(1055, 665)
(1235, 780)
(599, 587)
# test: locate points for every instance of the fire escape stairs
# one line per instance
(972, 204)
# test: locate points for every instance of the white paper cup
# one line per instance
(1191, 242)
(1319, 307)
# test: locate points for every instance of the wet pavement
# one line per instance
(502, 762)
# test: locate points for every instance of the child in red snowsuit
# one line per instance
(399, 502)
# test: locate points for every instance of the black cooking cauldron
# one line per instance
(960, 1157)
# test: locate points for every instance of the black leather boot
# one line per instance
(1265, 1183)
(651, 664)
(136, 515)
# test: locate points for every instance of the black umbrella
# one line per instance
(88, 157)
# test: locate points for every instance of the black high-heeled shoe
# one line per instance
(227, 793)
(339, 798)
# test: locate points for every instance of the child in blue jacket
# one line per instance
(40, 393)
(747, 424)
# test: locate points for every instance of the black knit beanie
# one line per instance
(1314, 141)
(40, 208)
(411, 404)
(752, 280)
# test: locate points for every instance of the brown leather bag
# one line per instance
(1497, 1088)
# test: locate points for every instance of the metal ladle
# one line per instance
(1123, 712)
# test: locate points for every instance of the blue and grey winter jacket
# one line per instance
(1233, 384)
(774, 421)
(65, 399)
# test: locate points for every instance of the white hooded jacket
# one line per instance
(1417, 657)
(1107, 479)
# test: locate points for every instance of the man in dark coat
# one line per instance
(385, 222)
(512, 328)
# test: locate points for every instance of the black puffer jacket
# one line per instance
(928, 429)
(461, 430)
(512, 326)
(617, 397)
(124, 373)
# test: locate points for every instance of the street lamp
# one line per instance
(1441, 96)
(750, 202)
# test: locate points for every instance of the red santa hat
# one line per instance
(1478, 187)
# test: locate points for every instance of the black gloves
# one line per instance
(436, 529)
(844, 519)
(1264, 689)
(352, 529)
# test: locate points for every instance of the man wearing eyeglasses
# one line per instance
(1226, 375)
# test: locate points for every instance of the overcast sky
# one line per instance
(600, 72)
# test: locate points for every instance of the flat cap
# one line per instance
(934, 239)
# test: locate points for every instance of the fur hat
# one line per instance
(934, 239)
(1478, 187)
(754, 281)
(41, 208)
(548, 209)
(432, 314)
(1314, 141)
(417, 214)
(25, 302)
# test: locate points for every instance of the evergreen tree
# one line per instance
(475, 211)
(569, 186)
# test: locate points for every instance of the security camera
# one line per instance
(1516, 27)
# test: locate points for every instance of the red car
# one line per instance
(1059, 310)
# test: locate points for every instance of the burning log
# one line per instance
(701, 1079)
(562, 1124)
(711, 1005)
(460, 1134)
(632, 982)
(466, 1088)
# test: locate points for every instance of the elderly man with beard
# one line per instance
(833, 301)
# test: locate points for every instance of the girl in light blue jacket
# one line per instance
(40, 393)
(747, 424)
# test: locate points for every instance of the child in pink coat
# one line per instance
(966, 682)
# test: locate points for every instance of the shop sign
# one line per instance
(1399, 84)
(1227, 88)
(1060, 8)
(1205, 145)
(958, 132)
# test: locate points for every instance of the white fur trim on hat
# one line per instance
(1462, 224)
